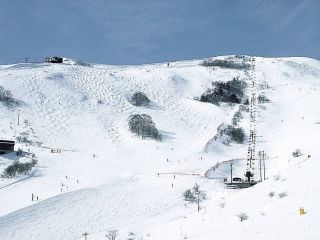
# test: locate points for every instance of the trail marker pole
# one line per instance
(260, 158)
(18, 117)
(264, 165)
(231, 171)
(198, 202)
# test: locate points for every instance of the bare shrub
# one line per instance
(282, 195)
(242, 217)
(111, 235)
(222, 205)
(271, 194)
(131, 236)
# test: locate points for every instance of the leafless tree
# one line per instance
(111, 235)
(242, 217)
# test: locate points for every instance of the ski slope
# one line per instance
(106, 178)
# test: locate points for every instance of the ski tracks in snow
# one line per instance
(105, 99)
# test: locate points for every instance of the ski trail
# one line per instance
(106, 99)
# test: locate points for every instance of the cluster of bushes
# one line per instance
(112, 235)
(226, 64)
(191, 195)
(230, 92)
(236, 117)
(280, 195)
(230, 133)
(236, 134)
(143, 126)
(24, 138)
(264, 85)
(262, 99)
(17, 168)
(297, 153)
(140, 99)
(6, 97)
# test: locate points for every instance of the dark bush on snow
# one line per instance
(236, 134)
(231, 91)
(191, 195)
(262, 99)
(236, 117)
(17, 168)
(24, 138)
(242, 217)
(140, 99)
(143, 126)
(226, 64)
(271, 194)
(297, 153)
(282, 195)
(6, 98)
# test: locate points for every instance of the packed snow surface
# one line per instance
(93, 175)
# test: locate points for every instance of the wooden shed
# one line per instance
(6, 146)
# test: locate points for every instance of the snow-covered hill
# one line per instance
(93, 175)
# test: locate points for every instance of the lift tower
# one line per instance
(251, 157)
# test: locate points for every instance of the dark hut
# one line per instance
(6, 146)
(54, 60)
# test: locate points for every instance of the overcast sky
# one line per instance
(145, 31)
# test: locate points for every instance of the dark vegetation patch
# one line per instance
(236, 134)
(223, 63)
(236, 117)
(6, 98)
(297, 153)
(140, 99)
(143, 126)
(17, 168)
(228, 92)
(263, 99)
(229, 133)
(194, 194)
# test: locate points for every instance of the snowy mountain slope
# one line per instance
(106, 178)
